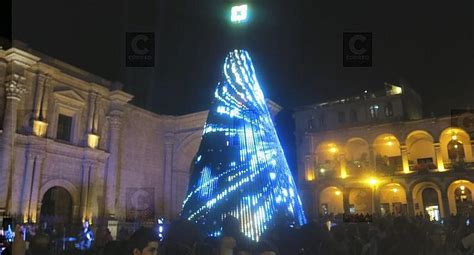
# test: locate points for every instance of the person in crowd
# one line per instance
(86, 237)
(181, 237)
(144, 241)
(436, 244)
(19, 245)
(40, 242)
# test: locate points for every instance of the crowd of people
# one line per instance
(349, 235)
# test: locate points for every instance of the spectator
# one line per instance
(19, 245)
(144, 241)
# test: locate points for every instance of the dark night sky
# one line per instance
(296, 47)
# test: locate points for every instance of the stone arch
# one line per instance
(420, 148)
(387, 153)
(416, 190)
(458, 134)
(357, 155)
(331, 200)
(69, 187)
(468, 184)
(183, 157)
(187, 146)
(63, 184)
(393, 198)
(327, 158)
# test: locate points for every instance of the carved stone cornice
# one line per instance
(15, 86)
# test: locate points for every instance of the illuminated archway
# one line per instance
(331, 201)
(455, 145)
(357, 155)
(57, 208)
(460, 197)
(393, 199)
(421, 152)
(424, 202)
(387, 153)
(360, 201)
(327, 158)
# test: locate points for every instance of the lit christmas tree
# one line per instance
(240, 168)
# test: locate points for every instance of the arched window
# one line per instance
(463, 198)
(456, 150)
(388, 110)
(374, 111)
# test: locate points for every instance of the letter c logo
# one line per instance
(352, 43)
(135, 47)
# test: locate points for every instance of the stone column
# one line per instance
(343, 166)
(405, 163)
(167, 196)
(376, 201)
(91, 110)
(410, 204)
(40, 97)
(95, 177)
(444, 200)
(115, 123)
(118, 99)
(27, 185)
(439, 157)
(14, 88)
(85, 188)
(372, 157)
(37, 173)
(309, 168)
(345, 200)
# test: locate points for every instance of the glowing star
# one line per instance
(241, 169)
(238, 13)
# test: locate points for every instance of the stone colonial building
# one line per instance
(74, 148)
(375, 153)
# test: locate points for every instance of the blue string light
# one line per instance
(240, 168)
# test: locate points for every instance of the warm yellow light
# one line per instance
(373, 181)
(343, 175)
(455, 146)
(309, 175)
(333, 149)
(39, 128)
(462, 187)
(92, 141)
(322, 170)
(394, 190)
(389, 143)
(454, 137)
(338, 192)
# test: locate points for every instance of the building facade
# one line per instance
(74, 148)
(375, 153)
